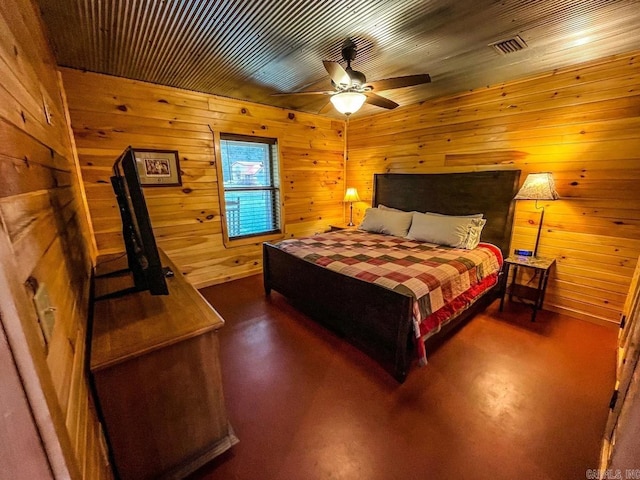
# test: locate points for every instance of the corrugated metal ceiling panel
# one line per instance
(251, 49)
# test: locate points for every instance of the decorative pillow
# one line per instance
(386, 221)
(457, 232)
(475, 230)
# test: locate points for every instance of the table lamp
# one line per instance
(538, 186)
(351, 196)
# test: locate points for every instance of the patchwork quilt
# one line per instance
(442, 280)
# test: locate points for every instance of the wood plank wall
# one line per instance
(580, 123)
(109, 113)
(46, 241)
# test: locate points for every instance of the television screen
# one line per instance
(142, 253)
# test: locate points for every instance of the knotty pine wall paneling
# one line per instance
(580, 123)
(110, 113)
(45, 241)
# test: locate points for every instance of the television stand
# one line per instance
(156, 378)
(115, 273)
(167, 272)
(121, 276)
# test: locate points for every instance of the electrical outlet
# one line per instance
(46, 313)
(47, 111)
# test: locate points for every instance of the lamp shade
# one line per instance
(351, 195)
(538, 186)
(348, 102)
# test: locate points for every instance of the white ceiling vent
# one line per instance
(509, 45)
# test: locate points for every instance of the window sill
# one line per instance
(240, 242)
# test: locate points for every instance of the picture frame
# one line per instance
(158, 168)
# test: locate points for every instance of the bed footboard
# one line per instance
(376, 320)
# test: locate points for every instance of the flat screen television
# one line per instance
(142, 253)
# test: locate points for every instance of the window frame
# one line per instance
(276, 165)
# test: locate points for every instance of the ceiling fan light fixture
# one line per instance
(348, 102)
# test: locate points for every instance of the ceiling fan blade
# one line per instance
(379, 101)
(338, 74)
(399, 82)
(302, 93)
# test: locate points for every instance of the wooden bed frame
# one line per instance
(376, 320)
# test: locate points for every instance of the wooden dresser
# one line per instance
(155, 370)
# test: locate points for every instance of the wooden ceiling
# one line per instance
(250, 49)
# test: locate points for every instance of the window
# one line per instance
(249, 167)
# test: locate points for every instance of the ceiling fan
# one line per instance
(351, 87)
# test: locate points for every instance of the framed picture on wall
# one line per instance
(158, 168)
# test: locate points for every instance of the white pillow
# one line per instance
(457, 232)
(473, 215)
(386, 221)
(390, 209)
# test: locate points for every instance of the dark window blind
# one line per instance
(250, 180)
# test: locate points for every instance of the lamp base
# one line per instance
(351, 224)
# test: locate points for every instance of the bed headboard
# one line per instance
(488, 192)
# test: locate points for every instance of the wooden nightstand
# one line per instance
(341, 226)
(532, 295)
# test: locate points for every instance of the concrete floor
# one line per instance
(502, 398)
